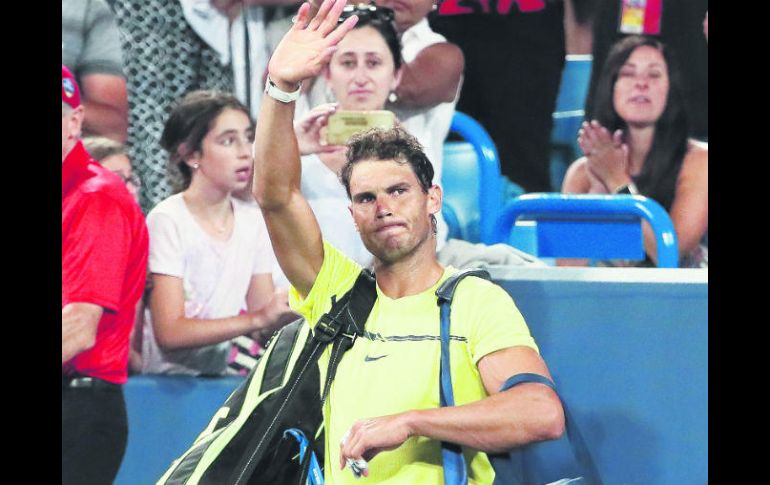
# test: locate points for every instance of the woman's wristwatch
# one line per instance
(276, 93)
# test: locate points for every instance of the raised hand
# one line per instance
(308, 130)
(308, 46)
(606, 154)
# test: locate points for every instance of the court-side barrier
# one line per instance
(628, 349)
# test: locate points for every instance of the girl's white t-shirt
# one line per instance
(215, 274)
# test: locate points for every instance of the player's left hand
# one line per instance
(368, 437)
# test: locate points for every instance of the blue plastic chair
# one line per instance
(587, 226)
(473, 186)
(568, 115)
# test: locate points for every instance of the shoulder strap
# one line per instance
(445, 294)
(446, 291)
(527, 377)
(455, 471)
(337, 326)
(347, 318)
(581, 459)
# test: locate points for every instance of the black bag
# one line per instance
(245, 442)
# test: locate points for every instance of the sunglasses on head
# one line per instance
(367, 10)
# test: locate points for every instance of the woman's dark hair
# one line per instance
(669, 145)
(189, 122)
(378, 20)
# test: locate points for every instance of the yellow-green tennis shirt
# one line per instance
(394, 367)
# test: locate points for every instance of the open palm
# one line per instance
(308, 46)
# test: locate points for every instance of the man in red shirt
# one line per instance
(104, 260)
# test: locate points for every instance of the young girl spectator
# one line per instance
(210, 256)
(638, 144)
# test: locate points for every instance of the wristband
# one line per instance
(276, 93)
(629, 189)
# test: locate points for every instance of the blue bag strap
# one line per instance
(455, 471)
(314, 476)
(572, 433)
(527, 377)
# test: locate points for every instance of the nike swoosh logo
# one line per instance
(370, 359)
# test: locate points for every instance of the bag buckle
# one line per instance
(352, 337)
(327, 328)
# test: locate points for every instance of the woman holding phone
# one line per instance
(363, 72)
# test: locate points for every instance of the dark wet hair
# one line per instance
(189, 122)
(394, 144)
(669, 145)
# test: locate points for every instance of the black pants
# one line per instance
(94, 435)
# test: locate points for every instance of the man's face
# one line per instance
(390, 210)
(71, 124)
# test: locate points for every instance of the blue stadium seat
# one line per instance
(586, 226)
(568, 116)
(473, 186)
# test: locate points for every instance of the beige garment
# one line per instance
(462, 254)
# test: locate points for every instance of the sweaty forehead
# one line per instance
(369, 175)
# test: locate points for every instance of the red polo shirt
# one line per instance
(104, 260)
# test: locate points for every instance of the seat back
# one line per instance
(460, 179)
(586, 226)
(471, 179)
(569, 114)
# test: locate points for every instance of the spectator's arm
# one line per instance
(79, 322)
(432, 77)
(690, 209)
(173, 330)
(106, 106)
(576, 179)
(263, 296)
(100, 74)
(135, 348)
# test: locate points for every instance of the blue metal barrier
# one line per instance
(490, 184)
(165, 415)
(559, 214)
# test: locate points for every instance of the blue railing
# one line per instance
(490, 184)
(580, 208)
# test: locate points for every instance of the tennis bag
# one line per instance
(251, 438)
(565, 460)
